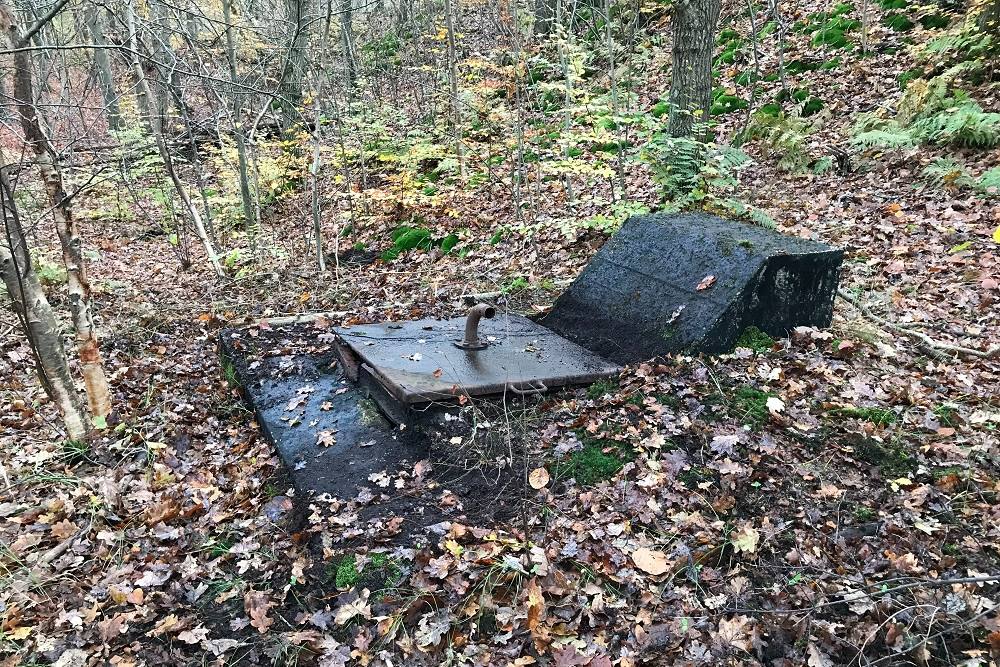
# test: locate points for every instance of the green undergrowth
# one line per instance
(750, 406)
(406, 238)
(877, 416)
(380, 574)
(600, 388)
(598, 460)
(755, 339)
(891, 459)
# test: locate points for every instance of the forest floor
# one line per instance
(688, 517)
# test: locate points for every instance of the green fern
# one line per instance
(989, 182)
(965, 125)
(946, 173)
(892, 136)
(784, 137)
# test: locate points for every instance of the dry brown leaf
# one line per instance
(650, 561)
(538, 478)
(257, 604)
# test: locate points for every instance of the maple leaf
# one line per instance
(325, 439)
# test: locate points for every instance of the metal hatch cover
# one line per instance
(416, 361)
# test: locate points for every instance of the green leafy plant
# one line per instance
(784, 137)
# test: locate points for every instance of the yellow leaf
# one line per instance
(745, 539)
(454, 547)
(996, 234)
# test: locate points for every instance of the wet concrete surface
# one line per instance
(639, 297)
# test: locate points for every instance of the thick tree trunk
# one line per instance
(36, 316)
(80, 300)
(988, 19)
(95, 26)
(691, 78)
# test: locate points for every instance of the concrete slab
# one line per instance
(329, 435)
(417, 362)
(639, 297)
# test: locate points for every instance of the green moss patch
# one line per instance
(750, 406)
(380, 574)
(755, 339)
(597, 461)
(877, 416)
(892, 460)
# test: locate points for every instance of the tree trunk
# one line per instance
(545, 11)
(295, 64)
(80, 300)
(347, 43)
(456, 106)
(93, 19)
(691, 79)
(36, 317)
(250, 218)
(988, 20)
(161, 147)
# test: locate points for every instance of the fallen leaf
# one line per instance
(650, 561)
(745, 539)
(705, 283)
(257, 604)
(538, 478)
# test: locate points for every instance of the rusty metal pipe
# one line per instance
(476, 313)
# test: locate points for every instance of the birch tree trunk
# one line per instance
(78, 287)
(691, 78)
(36, 316)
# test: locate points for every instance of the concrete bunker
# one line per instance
(662, 284)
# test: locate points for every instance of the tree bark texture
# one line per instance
(78, 287)
(37, 319)
(695, 22)
(545, 11)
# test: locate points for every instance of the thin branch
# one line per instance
(41, 23)
(928, 342)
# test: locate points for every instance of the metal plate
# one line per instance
(416, 361)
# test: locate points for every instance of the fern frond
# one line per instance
(889, 138)
(989, 182)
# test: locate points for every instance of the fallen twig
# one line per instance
(858, 594)
(931, 344)
(62, 547)
(304, 318)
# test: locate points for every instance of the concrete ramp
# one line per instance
(694, 282)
